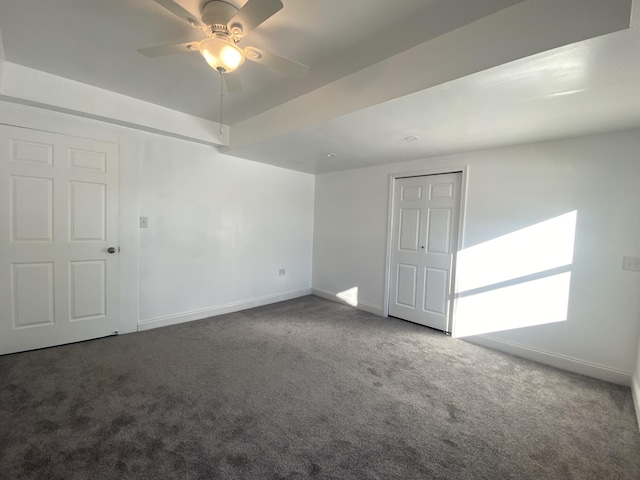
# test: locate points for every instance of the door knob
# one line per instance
(111, 249)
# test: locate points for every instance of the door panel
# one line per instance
(439, 230)
(411, 192)
(31, 152)
(32, 294)
(409, 229)
(435, 298)
(425, 236)
(88, 211)
(85, 160)
(87, 289)
(58, 216)
(441, 190)
(31, 209)
(407, 285)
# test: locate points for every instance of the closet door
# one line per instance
(425, 235)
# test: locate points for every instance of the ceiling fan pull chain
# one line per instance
(221, 95)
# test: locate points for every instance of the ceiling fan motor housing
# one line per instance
(216, 14)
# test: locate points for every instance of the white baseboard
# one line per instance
(220, 310)
(635, 393)
(563, 362)
(366, 307)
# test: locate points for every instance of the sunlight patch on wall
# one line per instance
(517, 280)
(533, 249)
(536, 302)
(349, 296)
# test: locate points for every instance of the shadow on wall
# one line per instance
(517, 280)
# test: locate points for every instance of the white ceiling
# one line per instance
(96, 42)
(459, 74)
(584, 88)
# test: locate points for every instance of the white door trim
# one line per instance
(464, 170)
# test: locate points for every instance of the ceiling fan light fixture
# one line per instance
(221, 54)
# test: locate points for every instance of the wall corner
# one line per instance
(635, 393)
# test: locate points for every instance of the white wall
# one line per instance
(510, 189)
(219, 227)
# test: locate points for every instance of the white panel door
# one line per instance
(424, 238)
(58, 218)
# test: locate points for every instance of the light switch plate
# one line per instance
(144, 222)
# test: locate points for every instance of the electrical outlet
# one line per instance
(281, 272)
(631, 263)
(144, 222)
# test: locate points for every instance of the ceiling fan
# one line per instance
(225, 26)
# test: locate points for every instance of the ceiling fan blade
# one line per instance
(161, 50)
(252, 14)
(233, 82)
(284, 65)
(180, 12)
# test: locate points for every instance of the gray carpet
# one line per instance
(305, 389)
